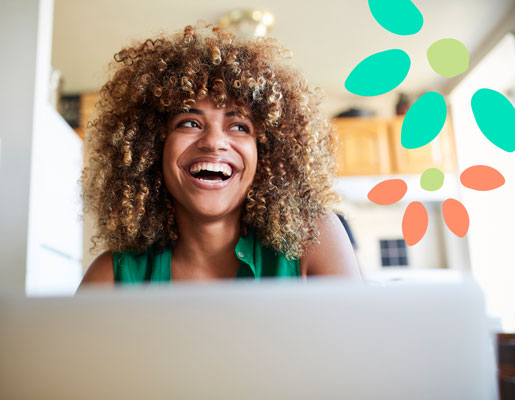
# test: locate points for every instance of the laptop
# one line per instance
(280, 339)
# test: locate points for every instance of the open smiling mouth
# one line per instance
(208, 172)
(210, 176)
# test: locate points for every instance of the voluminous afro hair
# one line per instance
(154, 80)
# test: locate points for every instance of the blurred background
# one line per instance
(57, 54)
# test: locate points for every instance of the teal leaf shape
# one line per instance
(424, 120)
(379, 73)
(495, 116)
(401, 17)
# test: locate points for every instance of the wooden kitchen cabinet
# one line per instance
(372, 146)
(362, 146)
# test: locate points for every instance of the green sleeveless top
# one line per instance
(152, 266)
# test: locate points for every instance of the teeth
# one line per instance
(210, 180)
(214, 167)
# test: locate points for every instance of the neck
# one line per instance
(206, 246)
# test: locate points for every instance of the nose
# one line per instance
(213, 139)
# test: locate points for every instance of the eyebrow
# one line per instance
(192, 111)
(227, 114)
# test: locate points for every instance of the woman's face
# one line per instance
(209, 160)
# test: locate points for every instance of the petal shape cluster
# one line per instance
(493, 112)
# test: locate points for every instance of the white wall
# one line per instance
(40, 161)
(18, 40)
(55, 230)
(492, 213)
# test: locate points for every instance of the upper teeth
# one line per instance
(214, 167)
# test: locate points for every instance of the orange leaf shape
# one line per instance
(456, 217)
(414, 223)
(481, 177)
(388, 192)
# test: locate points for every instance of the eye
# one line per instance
(241, 127)
(188, 124)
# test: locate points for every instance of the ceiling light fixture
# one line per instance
(249, 23)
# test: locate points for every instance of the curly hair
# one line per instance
(154, 80)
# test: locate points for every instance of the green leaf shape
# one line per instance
(401, 17)
(379, 73)
(424, 120)
(431, 179)
(448, 57)
(495, 116)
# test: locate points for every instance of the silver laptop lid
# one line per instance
(284, 340)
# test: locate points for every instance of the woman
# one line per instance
(209, 159)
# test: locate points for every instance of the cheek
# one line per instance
(174, 147)
(251, 156)
(171, 154)
(250, 169)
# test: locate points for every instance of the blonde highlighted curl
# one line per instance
(152, 81)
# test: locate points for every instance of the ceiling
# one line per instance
(328, 37)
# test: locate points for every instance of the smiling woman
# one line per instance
(211, 155)
(209, 159)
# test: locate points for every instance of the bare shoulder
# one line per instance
(334, 254)
(100, 271)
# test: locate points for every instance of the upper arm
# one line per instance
(100, 271)
(334, 254)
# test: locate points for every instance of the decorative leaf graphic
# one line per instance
(388, 192)
(481, 177)
(414, 223)
(456, 217)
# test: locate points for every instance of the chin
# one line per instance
(212, 210)
(212, 214)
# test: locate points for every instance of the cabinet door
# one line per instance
(440, 153)
(362, 147)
